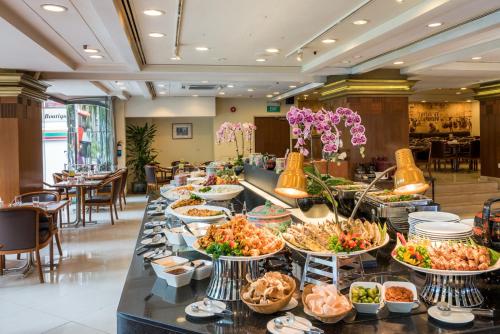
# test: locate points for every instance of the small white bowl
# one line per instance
(174, 236)
(369, 308)
(401, 307)
(179, 279)
(160, 265)
(203, 271)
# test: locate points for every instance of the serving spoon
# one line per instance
(290, 319)
(279, 324)
(446, 308)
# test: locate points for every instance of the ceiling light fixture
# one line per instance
(261, 60)
(201, 48)
(435, 24)
(458, 93)
(360, 22)
(89, 50)
(269, 95)
(54, 8)
(469, 101)
(204, 81)
(222, 93)
(477, 58)
(328, 41)
(276, 93)
(153, 12)
(119, 83)
(250, 89)
(300, 53)
(230, 86)
(194, 95)
(315, 92)
(272, 50)
(305, 95)
(399, 62)
(423, 101)
(163, 93)
(161, 85)
(463, 88)
(156, 34)
(175, 58)
(96, 57)
(292, 86)
(399, 1)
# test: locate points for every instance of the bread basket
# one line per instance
(327, 320)
(273, 307)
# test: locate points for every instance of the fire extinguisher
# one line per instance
(119, 149)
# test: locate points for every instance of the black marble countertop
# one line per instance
(149, 305)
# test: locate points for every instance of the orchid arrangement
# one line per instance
(325, 123)
(228, 133)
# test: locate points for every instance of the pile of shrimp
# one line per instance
(459, 256)
(254, 241)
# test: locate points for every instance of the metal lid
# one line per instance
(268, 211)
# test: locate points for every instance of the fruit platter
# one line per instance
(219, 192)
(446, 258)
(347, 238)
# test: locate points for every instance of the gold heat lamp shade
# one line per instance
(292, 182)
(408, 178)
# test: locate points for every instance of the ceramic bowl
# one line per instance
(178, 280)
(160, 265)
(174, 236)
(368, 308)
(401, 307)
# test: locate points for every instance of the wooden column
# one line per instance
(21, 159)
(381, 98)
(488, 95)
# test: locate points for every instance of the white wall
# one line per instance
(170, 107)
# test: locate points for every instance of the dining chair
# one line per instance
(107, 200)
(123, 187)
(152, 180)
(439, 153)
(46, 221)
(65, 194)
(20, 232)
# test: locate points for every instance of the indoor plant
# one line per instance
(140, 152)
(229, 132)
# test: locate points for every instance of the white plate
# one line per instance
(197, 248)
(233, 190)
(443, 228)
(169, 208)
(469, 221)
(337, 254)
(180, 213)
(434, 216)
(175, 194)
(291, 305)
(203, 314)
(454, 318)
(299, 322)
(149, 241)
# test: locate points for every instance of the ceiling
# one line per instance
(236, 35)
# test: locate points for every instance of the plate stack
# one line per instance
(443, 231)
(419, 217)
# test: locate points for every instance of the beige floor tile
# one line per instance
(74, 328)
(103, 319)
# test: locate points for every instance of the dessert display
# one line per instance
(238, 237)
(345, 237)
(325, 303)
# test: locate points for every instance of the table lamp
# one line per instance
(292, 182)
(408, 179)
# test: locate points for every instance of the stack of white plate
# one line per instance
(439, 231)
(419, 217)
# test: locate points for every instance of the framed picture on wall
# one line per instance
(182, 131)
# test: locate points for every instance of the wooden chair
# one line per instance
(66, 194)
(123, 187)
(108, 200)
(153, 182)
(439, 153)
(423, 156)
(20, 232)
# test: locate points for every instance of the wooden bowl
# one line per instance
(328, 320)
(273, 307)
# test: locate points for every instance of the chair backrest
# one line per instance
(19, 228)
(438, 149)
(43, 196)
(116, 187)
(475, 149)
(57, 177)
(124, 179)
(150, 174)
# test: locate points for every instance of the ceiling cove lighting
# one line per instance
(201, 48)
(272, 50)
(399, 62)
(292, 86)
(360, 22)
(261, 60)
(435, 24)
(328, 41)
(477, 58)
(153, 12)
(156, 34)
(96, 57)
(90, 50)
(54, 8)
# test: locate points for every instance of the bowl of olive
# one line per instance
(367, 297)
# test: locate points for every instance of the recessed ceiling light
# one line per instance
(360, 22)
(119, 83)
(201, 48)
(96, 57)
(89, 50)
(272, 50)
(435, 24)
(463, 88)
(175, 58)
(423, 101)
(315, 92)
(305, 95)
(230, 86)
(123, 87)
(276, 93)
(269, 95)
(163, 93)
(292, 86)
(477, 58)
(153, 12)
(399, 1)
(194, 95)
(54, 8)
(446, 101)
(458, 93)
(156, 34)
(261, 60)
(328, 41)
(399, 62)
(221, 93)
(204, 81)
(469, 101)
(250, 89)
(161, 85)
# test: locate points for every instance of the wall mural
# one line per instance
(440, 117)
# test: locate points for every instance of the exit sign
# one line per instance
(273, 107)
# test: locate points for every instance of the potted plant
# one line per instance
(140, 153)
(228, 133)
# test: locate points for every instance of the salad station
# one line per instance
(295, 251)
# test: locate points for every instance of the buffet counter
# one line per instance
(149, 305)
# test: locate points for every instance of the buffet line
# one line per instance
(200, 215)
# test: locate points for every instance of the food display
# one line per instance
(238, 237)
(325, 303)
(270, 288)
(344, 237)
(398, 294)
(219, 192)
(193, 200)
(199, 213)
(176, 193)
(362, 294)
(388, 196)
(196, 212)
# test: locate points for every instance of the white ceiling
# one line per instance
(238, 32)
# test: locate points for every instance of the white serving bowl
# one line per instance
(204, 271)
(160, 265)
(369, 308)
(174, 235)
(230, 192)
(180, 279)
(401, 307)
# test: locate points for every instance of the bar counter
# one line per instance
(149, 305)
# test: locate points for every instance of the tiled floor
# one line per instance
(82, 295)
